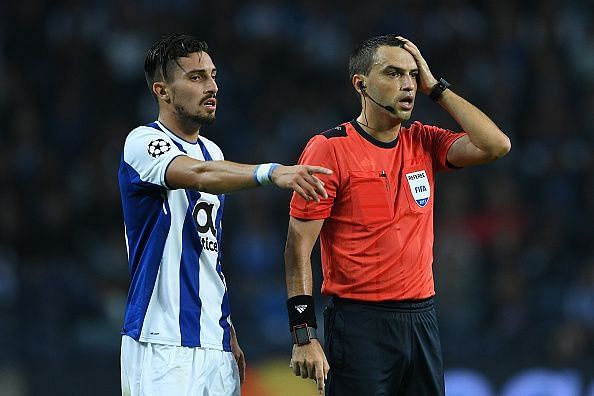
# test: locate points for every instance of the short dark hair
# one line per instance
(362, 57)
(166, 50)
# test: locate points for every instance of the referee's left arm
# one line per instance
(484, 141)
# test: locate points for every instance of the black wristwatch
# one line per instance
(303, 334)
(438, 89)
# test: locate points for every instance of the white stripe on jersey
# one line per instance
(161, 323)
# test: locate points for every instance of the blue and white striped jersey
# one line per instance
(178, 294)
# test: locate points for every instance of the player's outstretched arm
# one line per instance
(309, 360)
(484, 141)
(218, 177)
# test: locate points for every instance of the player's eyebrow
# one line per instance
(200, 71)
(194, 71)
(390, 68)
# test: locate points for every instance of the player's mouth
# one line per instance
(407, 102)
(210, 104)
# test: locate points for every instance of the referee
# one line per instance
(376, 229)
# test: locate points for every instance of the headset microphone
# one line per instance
(363, 89)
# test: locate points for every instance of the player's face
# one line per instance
(193, 88)
(393, 79)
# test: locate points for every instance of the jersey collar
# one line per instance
(371, 139)
(174, 136)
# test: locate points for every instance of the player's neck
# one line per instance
(383, 128)
(188, 131)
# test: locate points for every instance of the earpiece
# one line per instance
(363, 89)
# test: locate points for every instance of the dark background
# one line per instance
(514, 256)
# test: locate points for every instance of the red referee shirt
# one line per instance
(377, 237)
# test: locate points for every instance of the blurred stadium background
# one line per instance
(514, 258)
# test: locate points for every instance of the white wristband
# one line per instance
(263, 173)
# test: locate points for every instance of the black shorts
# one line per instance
(383, 349)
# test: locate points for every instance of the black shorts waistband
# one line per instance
(398, 305)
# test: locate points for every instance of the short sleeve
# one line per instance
(440, 141)
(148, 152)
(318, 152)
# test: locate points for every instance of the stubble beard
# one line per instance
(194, 119)
(405, 115)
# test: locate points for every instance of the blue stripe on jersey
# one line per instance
(147, 226)
(179, 146)
(189, 273)
(154, 125)
(225, 309)
(205, 153)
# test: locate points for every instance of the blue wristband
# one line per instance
(263, 173)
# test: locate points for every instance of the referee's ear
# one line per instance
(160, 91)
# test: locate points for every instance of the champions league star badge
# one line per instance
(158, 147)
(419, 187)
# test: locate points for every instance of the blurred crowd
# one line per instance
(514, 251)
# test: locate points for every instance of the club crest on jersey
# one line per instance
(158, 147)
(419, 186)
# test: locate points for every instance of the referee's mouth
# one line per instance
(407, 102)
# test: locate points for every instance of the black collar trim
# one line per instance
(371, 139)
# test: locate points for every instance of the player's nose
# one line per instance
(211, 86)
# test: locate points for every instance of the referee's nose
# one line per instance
(408, 83)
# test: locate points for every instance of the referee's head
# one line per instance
(363, 57)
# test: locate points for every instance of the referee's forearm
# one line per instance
(298, 274)
(301, 237)
(481, 130)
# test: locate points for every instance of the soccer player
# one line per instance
(178, 338)
(376, 229)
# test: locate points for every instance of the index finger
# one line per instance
(319, 371)
(318, 185)
(407, 41)
(318, 169)
(242, 366)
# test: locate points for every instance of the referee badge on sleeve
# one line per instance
(419, 186)
(158, 147)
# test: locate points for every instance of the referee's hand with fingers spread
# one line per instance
(309, 361)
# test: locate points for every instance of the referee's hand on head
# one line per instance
(309, 361)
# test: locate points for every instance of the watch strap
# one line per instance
(438, 89)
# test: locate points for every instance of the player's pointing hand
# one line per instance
(302, 179)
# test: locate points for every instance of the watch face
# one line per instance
(302, 335)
